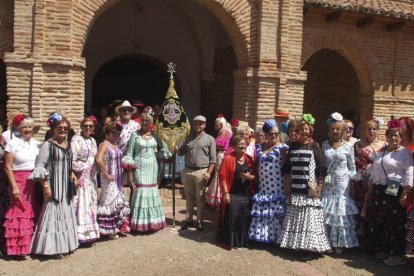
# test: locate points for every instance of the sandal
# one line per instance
(394, 260)
(113, 236)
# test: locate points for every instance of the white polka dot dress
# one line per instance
(269, 204)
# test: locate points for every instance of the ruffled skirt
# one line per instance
(303, 227)
(213, 192)
(113, 212)
(86, 212)
(20, 217)
(339, 213)
(267, 214)
(147, 213)
(56, 229)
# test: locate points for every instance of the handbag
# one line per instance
(393, 183)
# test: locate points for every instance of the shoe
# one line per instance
(394, 260)
(186, 225)
(381, 256)
(113, 236)
(199, 226)
(339, 250)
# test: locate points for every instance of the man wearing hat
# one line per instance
(125, 111)
(281, 117)
(200, 159)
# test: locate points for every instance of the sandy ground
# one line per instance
(175, 252)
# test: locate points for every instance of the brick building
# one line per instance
(233, 57)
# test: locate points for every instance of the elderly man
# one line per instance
(125, 111)
(200, 158)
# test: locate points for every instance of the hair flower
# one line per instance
(55, 117)
(380, 121)
(308, 118)
(334, 117)
(234, 122)
(93, 119)
(394, 123)
(119, 126)
(220, 116)
(18, 119)
(268, 125)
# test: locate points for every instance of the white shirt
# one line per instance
(6, 136)
(397, 164)
(25, 153)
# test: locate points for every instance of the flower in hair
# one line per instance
(234, 122)
(380, 121)
(394, 123)
(55, 117)
(119, 126)
(308, 118)
(220, 116)
(268, 125)
(93, 119)
(334, 117)
(18, 119)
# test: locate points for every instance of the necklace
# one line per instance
(336, 144)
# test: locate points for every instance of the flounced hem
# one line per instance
(263, 240)
(269, 197)
(304, 241)
(18, 250)
(128, 165)
(340, 221)
(152, 226)
(39, 173)
(343, 237)
(19, 241)
(301, 200)
(55, 243)
(339, 205)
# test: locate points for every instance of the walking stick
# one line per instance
(173, 187)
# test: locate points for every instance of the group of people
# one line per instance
(274, 185)
(279, 186)
(53, 204)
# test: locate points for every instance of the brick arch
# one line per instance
(238, 28)
(364, 63)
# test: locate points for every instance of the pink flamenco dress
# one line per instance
(21, 215)
(213, 193)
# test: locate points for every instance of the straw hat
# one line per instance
(126, 104)
(282, 112)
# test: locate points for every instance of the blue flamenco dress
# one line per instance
(269, 204)
(339, 208)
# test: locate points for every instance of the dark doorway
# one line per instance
(3, 95)
(332, 86)
(131, 78)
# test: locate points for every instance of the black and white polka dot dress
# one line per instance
(303, 227)
(269, 204)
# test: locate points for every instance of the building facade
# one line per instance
(239, 58)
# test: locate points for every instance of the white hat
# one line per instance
(126, 104)
(200, 118)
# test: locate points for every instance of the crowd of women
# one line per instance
(345, 193)
(276, 185)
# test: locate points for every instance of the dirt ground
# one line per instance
(175, 252)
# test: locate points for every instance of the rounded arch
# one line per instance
(364, 63)
(224, 11)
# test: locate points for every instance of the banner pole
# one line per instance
(173, 187)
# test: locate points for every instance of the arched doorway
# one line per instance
(131, 77)
(332, 86)
(184, 32)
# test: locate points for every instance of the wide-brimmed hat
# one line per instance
(282, 112)
(125, 104)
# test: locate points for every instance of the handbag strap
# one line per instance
(382, 158)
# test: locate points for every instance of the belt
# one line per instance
(196, 168)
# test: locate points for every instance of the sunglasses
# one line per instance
(126, 110)
(62, 128)
(350, 128)
(372, 129)
(88, 126)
